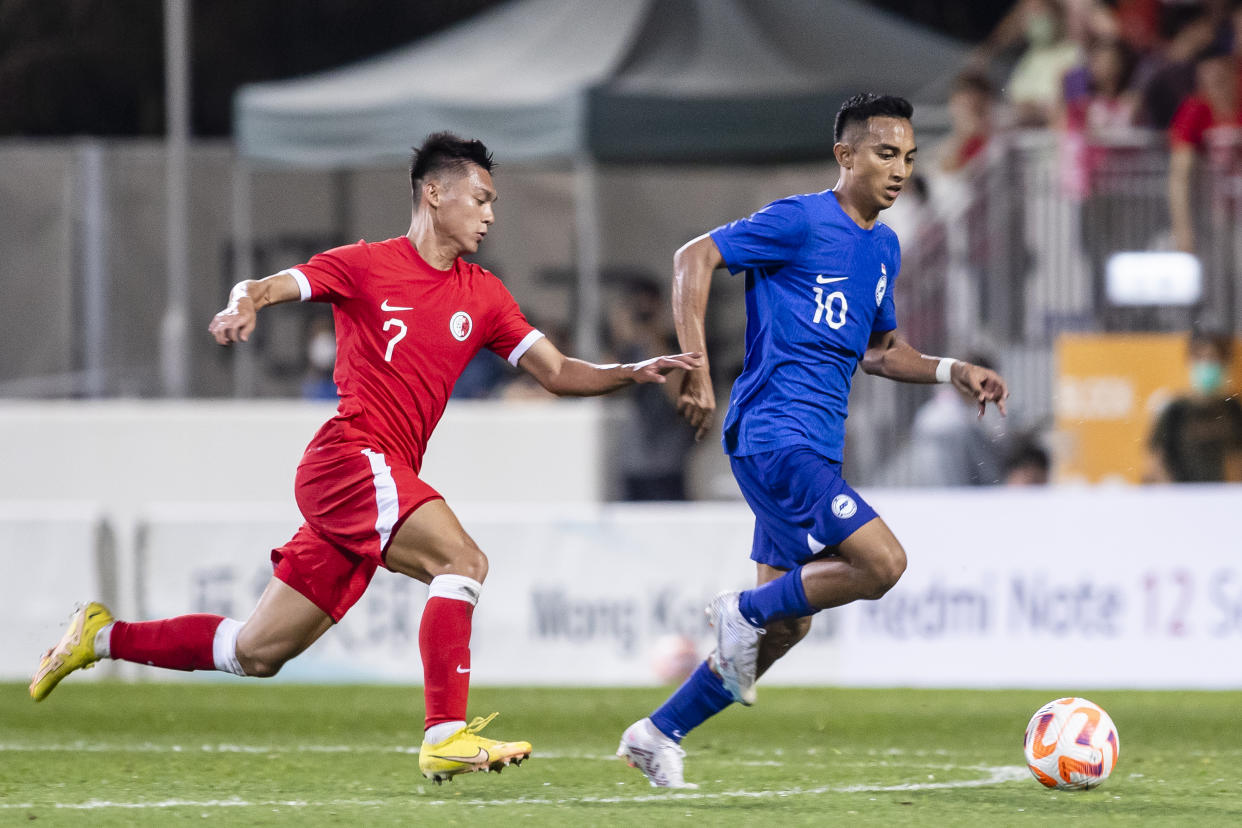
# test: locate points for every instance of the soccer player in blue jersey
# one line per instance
(820, 271)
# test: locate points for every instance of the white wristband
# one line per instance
(944, 369)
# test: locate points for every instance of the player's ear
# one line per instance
(844, 154)
(432, 192)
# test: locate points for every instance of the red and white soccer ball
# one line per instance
(1071, 744)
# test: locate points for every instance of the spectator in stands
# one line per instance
(1035, 85)
(655, 443)
(1028, 464)
(1215, 103)
(484, 377)
(1168, 77)
(1098, 94)
(318, 384)
(950, 444)
(1097, 138)
(1197, 438)
(971, 122)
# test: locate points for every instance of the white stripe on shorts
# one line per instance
(386, 503)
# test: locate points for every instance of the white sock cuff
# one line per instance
(224, 647)
(103, 641)
(458, 587)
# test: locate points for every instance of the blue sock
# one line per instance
(776, 600)
(698, 699)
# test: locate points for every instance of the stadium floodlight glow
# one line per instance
(1154, 278)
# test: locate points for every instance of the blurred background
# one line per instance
(1074, 223)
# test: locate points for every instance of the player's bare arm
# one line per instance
(237, 320)
(569, 377)
(693, 264)
(890, 356)
(1181, 173)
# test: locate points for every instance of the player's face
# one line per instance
(464, 212)
(883, 160)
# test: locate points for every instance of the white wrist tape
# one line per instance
(944, 369)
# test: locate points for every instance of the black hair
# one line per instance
(1028, 453)
(860, 108)
(977, 82)
(1218, 340)
(442, 151)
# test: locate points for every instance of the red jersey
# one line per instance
(404, 333)
(1194, 118)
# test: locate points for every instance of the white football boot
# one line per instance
(644, 747)
(736, 656)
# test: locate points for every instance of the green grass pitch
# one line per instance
(255, 754)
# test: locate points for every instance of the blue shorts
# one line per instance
(802, 506)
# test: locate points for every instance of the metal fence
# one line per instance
(1000, 259)
(1014, 252)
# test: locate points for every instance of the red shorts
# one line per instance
(353, 499)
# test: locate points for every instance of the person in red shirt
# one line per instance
(410, 313)
(1216, 102)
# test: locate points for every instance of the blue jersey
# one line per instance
(817, 287)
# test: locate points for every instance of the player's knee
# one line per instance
(468, 559)
(885, 570)
(261, 662)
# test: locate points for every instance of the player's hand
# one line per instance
(654, 369)
(234, 323)
(983, 385)
(697, 402)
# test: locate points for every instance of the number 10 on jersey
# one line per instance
(830, 308)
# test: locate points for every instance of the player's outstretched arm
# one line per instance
(693, 264)
(237, 320)
(888, 355)
(569, 377)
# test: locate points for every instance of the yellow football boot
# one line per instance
(76, 650)
(466, 751)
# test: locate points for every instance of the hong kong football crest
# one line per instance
(460, 326)
(881, 285)
(844, 507)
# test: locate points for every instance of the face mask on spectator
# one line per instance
(1207, 376)
(321, 352)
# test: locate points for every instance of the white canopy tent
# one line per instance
(609, 81)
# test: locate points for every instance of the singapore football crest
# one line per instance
(460, 326)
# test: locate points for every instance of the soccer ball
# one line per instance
(1071, 744)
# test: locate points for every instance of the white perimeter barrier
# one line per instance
(52, 554)
(1058, 588)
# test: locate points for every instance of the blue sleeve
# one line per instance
(772, 236)
(886, 315)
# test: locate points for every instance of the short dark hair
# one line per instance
(442, 151)
(1028, 453)
(860, 108)
(974, 81)
(1219, 341)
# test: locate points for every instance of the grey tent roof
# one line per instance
(620, 80)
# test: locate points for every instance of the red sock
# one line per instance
(444, 641)
(181, 643)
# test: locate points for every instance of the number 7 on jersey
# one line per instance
(400, 335)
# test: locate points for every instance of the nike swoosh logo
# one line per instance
(481, 756)
(390, 308)
(460, 670)
(827, 280)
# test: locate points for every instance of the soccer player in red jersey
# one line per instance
(410, 314)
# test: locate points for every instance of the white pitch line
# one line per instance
(994, 776)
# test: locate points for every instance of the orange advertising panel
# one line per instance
(1109, 390)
